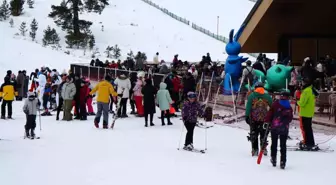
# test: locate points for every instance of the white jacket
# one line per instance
(124, 86)
(42, 80)
(156, 59)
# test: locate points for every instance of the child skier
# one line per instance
(279, 117)
(190, 110)
(30, 108)
(257, 106)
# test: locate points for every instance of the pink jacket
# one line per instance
(138, 87)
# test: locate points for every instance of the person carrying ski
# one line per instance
(30, 108)
(164, 101)
(306, 112)
(104, 89)
(279, 117)
(258, 103)
(7, 93)
(190, 111)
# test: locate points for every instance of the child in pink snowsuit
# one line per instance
(138, 96)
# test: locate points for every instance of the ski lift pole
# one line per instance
(233, 98)
(239, 90)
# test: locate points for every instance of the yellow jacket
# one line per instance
(8, 91)
(104, 89)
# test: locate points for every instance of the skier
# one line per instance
(164, 101)
(33, 77)
(149, 93)
(306, 112)
(46, 97)
(279, 117)
(104, 89)
(190, 110)
(123, 86)
(257, 106)
(7, 93)
(30, 108)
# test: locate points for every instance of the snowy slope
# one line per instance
(151, 32)
(76, 153)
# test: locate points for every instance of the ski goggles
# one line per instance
(192, 95)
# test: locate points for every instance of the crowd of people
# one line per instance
(52, 90)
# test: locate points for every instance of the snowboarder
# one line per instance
(279, 117)
(149, 93)
(190, 111)
(104, 89)
(7, 93)
(164, 101)
(30, 108)
(306, 112)
(257, 106)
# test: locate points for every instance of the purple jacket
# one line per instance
(191, 110)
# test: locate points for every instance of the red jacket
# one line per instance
(115, 65)
(176, 84)
(83, 93)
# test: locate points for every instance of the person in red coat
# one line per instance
(83, 94)
(177, 86)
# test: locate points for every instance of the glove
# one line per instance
(0, 99)
(120, 95)
(247, 119)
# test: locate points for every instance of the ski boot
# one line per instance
(9, 117)
(27, 133)
(96, 124)
(170, 123)
(189, 147)
(146, 125)
(152, 124)
(32, 134)
(3, 117)
(265, 152)
(282, 165)
(105, 125)
(273, 161)
(254, 152)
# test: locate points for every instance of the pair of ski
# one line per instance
(324, 150)
(201, 125)
(115, 115)
(193, 150)
(31, 138)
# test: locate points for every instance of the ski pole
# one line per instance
(206, 136)
(179, 144)
(40, 119)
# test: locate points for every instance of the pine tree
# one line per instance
(92, 42)
(108, 51)
(33, 29)
(130, 55)
(143, 56)
(31, 3)
(4, 10)
(23, 28)
(50, 37)
(11, 23)
(54, 37)
(116, 52)
(16, 7)
(66, 15)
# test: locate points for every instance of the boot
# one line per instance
(105, 125)
(9, 117)
(27, 133)
(146, 125)
(133, 112)
(152, 124)
(170, 123)
(96, 124)
(57, 118)
(254, 152)
(265, 152)
(283, 165)
(32, 133)
(273, 161)
(3, 117)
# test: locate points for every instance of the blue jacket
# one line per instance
(163, 97)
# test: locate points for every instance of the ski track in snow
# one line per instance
(77, 153)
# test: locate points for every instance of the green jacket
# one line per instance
(307, 102)
(253, 96)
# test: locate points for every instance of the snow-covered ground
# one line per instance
(132, 24)
(75, 152)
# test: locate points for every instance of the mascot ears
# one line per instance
(238, 34)
(231, 36)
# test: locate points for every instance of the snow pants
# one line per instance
(151, 115)
(59, 107)
(190, 126)
(30, 122)
(89, 105)
(283, 146)
(165, 113)
(122, 107)
(67, 110)
(139, 106)
(9, 108)
(83, 112)
(46, 98)
(102, 109)
(257, 132)
(308, 131)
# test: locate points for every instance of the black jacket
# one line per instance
(149, 93)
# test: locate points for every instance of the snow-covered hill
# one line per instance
(132, 24)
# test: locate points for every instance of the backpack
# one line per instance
(280, 122)
(259, 109)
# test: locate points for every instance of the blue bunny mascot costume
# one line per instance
(233, 64)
